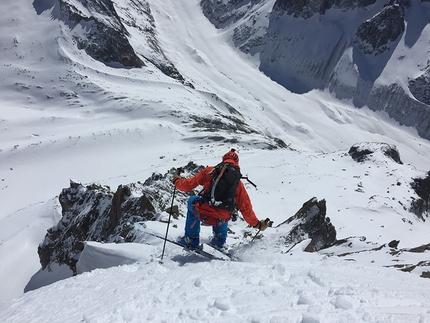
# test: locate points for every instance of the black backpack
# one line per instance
(222, 191)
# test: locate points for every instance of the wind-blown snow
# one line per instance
(66, 116)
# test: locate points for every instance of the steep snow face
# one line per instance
(373, 52)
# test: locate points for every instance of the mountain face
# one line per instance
(104, 30)
(353, 48)
(356, 49)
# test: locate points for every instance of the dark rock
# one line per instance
(420, 249)
(420, 87)
(364, 151)
(118, 198)
(401, 107)
(375, 35)
(174, 211)
(105, 39)
(393, 243)
(310, 222)
(411, 267)
(95, 213)
(421, 206)
(98, 29)
(74, 184)
(308, 8)
(425, 274)
(221, 14)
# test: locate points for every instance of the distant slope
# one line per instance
(373, 52)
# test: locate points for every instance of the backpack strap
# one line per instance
(212, 193)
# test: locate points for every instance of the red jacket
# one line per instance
(242, 198)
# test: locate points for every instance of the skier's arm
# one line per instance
(187, 184)
(244, 204)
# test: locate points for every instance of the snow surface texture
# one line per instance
(301, 288)
(64, 115)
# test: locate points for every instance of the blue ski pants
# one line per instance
(192, 223)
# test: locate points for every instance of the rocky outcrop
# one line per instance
(222, 14)
(376, 35)
(411, 267)
(102, 29)
(420, 87)
(421, 206)
(306, 9)
(364, 151)
(311, 222)
(104, 36)
(399, 106)
(96, 213)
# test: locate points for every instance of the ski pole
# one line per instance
(178, 172)
(256, 235)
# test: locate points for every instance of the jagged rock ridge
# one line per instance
(96, 213)
(311, 222)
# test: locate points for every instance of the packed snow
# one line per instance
(65, 116)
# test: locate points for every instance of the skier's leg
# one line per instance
(192, 225)
(220, 234)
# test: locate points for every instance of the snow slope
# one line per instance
(298, 288)
(64, 115)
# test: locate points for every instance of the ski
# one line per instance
(201, 252)
(225, 252)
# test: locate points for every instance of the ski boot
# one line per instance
(190, 243)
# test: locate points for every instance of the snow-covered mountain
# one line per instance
(106, 93)
(373, 52)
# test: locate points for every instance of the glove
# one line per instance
(263, 225)
(176, 177)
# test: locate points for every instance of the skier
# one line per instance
(201, 212)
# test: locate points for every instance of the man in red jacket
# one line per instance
(200, 212)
